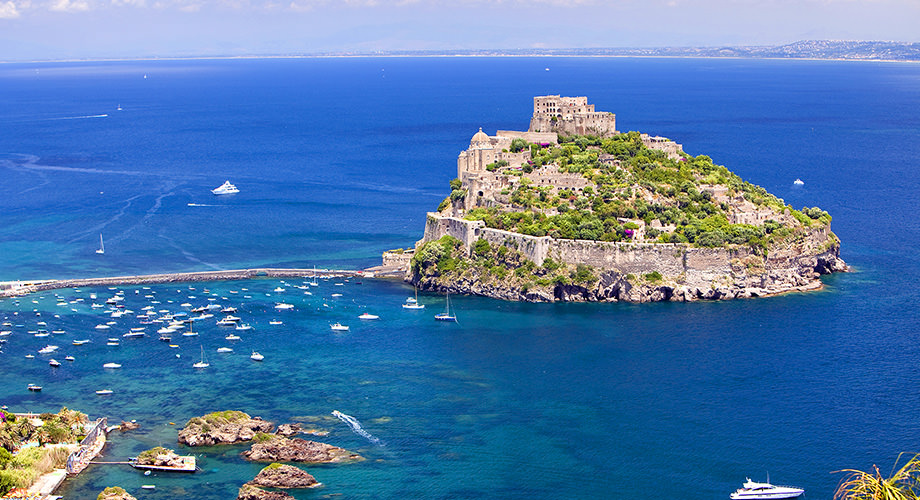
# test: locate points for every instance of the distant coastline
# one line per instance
(821, 50)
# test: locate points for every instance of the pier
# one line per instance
(17, 288)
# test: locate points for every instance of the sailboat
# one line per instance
(314, 283)
(202, 363)
(413, 303)
(446, 315)
(101, 245)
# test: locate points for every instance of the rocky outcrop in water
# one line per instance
(281, 449)
(284, 476)
(250, 492)
(114, 493)
(288, 430)
(225, 427)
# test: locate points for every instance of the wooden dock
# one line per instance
(17, 288)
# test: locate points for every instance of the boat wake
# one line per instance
(200, 205)
(356, 426)
(79, 117)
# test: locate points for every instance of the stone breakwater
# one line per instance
(17, 288)
(640, 272)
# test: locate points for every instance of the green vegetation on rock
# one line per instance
(631, 187)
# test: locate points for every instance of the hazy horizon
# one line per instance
(119, 29)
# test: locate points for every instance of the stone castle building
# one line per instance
(570, 116)
(552, 115)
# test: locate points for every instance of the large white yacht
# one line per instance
(225, 188)
(763, 491)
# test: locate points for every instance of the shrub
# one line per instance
(444, 204)
(653, 276)
(262, 437)
(481, 247)
(455, 184)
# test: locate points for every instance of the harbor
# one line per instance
(25, 287)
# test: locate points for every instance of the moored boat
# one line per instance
(765, 491)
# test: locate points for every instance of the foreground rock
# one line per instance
(114, 493)
(223, 427)
(284, 476)
(270, 448)
(250, 492)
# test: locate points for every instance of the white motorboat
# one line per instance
(104, 392)
(256, 356)
(275, 322)
(282, 306)
(34, 388)
(111, 365)
(53, 362)
(244, 327)
(232, 337)
(224, 349)
(48, 349)
(338, 327)
(225, 188)
(81, 342)
(226, 322)
(765, 491)
(69, 358)
(799, 182)
(368, 316)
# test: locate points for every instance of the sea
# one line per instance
(338, 160)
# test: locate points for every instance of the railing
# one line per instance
(90, 446)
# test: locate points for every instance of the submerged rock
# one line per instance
(284, 476)
(224, 427)
(281, 449)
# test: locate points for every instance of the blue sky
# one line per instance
(63, 29)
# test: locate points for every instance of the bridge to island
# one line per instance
(16, 288)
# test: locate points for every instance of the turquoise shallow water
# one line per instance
(338, 160)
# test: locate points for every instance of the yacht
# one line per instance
(799, 182)
(225, 188)
(368, 316)
(256, 356)
(338, 327)
(53, 362)
(446, 315)
(202, 363)
(763, 491)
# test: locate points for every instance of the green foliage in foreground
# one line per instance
(28, 465)
(903, 484)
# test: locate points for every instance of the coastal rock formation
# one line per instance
(224, 427)
(281, 449)
(250, 492)
(288, 430)
(114, 493)
(128, 426)
(284, 476)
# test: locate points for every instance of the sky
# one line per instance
(68, 29)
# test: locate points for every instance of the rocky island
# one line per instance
(275, 448)
(222, 427)
(573, 210)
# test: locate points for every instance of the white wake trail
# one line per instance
(355, 426)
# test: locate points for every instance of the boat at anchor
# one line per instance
(225, 188)
(765, 491)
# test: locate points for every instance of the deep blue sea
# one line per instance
(338, 160)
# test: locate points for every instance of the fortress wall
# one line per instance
(699, 266)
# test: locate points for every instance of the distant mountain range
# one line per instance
(806, 49)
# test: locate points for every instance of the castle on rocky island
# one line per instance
(573, 210)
